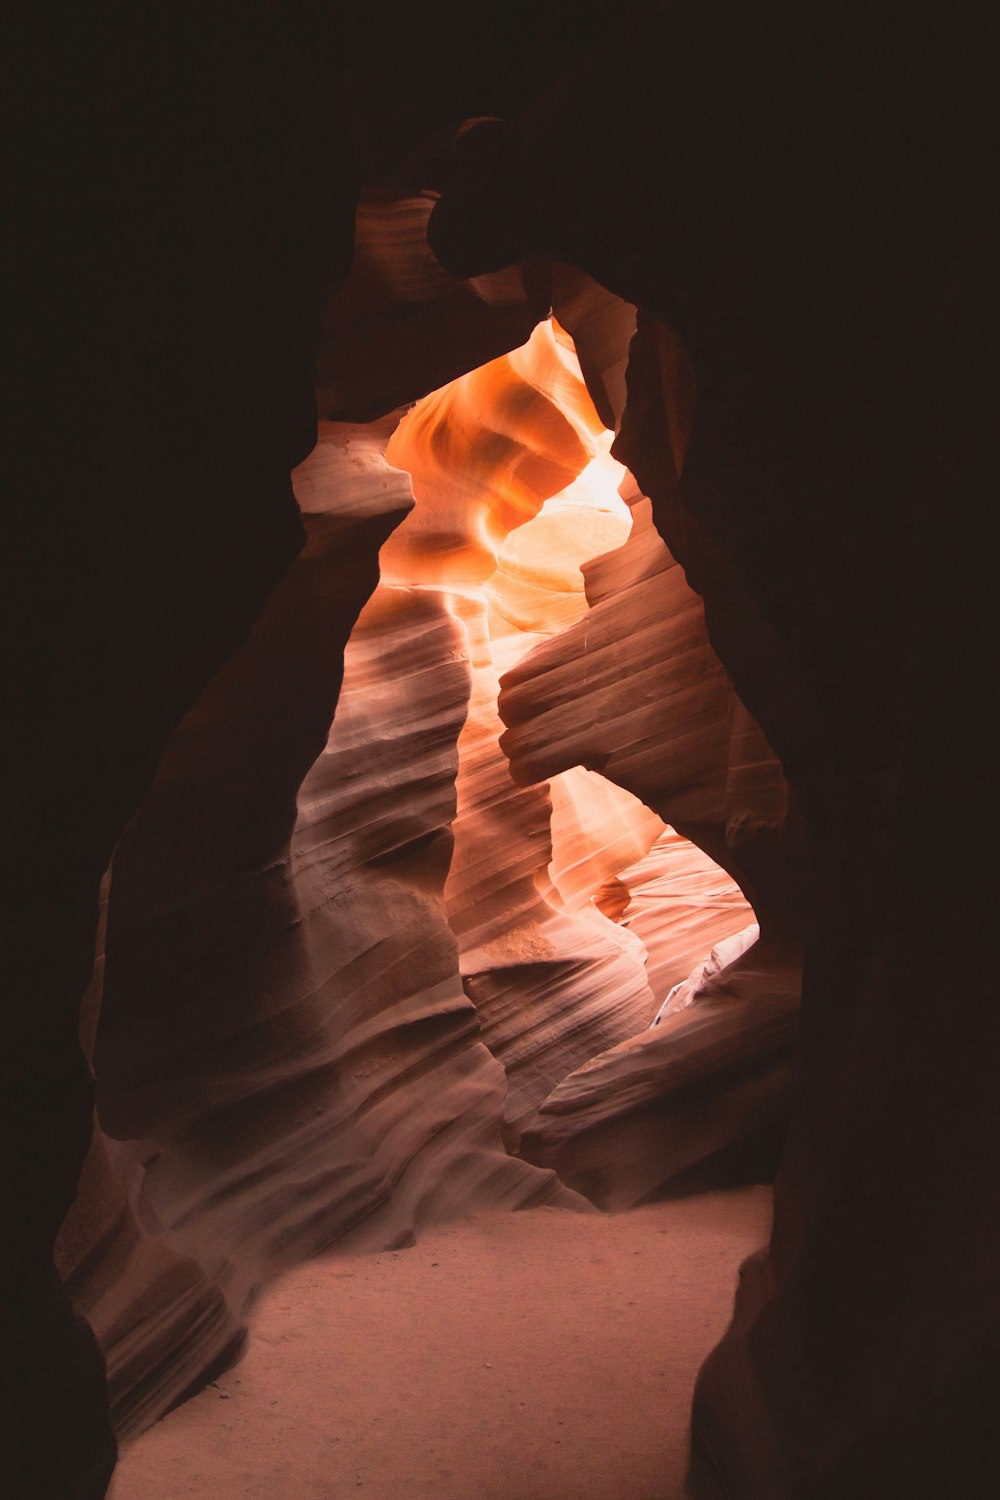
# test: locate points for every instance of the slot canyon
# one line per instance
(498, 603)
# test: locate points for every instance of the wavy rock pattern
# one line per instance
(484, 454)
(705, 1079)
(681, 906)
(161, 1320)
(538, 864)
(346, 964)
(283, 1012)
(505, 464)
(154, 1307)
(634, 690)
(551, 986)
(161, 1317)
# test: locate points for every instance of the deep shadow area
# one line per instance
(795, 200)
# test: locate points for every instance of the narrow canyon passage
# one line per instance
(503, 1357)
(421, 921)
(499, 582)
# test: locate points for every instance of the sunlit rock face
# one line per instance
(683, 906)
(518, 444)
(633, 688)
(708, 1081)
(348, 964)
(284, 1027)
(578, 910)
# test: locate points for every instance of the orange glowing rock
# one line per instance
(484, 453)
(425, 959)
(598, 830)
(536, 895)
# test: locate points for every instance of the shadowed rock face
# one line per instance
(795, 195)
(635, 689)
(222, 213)
(283, 1023)
(399, 298)
(324, 939)
(840, 363)
(184, 205)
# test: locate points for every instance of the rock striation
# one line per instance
(352, 949)
(182, 206)
(553, 979)
(781, 250)
(792, 200)
(708, 1083)
(284, 1035)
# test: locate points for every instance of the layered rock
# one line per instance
(553, 980)
(284, 1024)
(832, 512)
(684, 908)
(552, 985)
(183, 206)
(635, 689)
(505, 464)
(708, 1083)
(323, 942)
(658, 716)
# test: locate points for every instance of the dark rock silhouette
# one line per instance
(794, 199)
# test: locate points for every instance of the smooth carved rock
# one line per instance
(634, 689)
(653, 715)
(317, 958)
(601, 326)
(484, 454)
(497, 460)
(223, 931)
(285, 1035)
(161, 1319)
(195, 919)
(833, 511)
(551, 985)
(399, 298)
(708, 1077)
(681, 906)
(345, 964)
(553, 980)
(599, 831)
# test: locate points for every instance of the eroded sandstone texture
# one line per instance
(184, 204)
(367, 968)
(349, 957)
(831, 513)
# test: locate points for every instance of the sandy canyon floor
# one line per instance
(544, 1355)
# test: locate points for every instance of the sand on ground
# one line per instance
(543, 1355)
